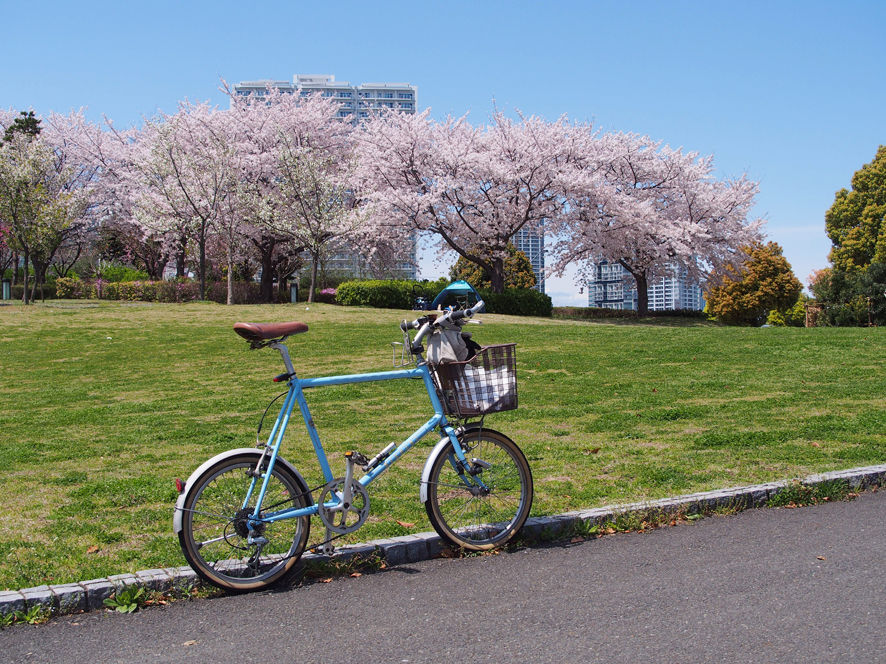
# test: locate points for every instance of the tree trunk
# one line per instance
(641, 280)
(180, 264)
(25, 280)
(642, 293)
(202, 243)
(40, 269)
(267, 269)
(497, 275)
(315, 260)
(230, 277)
(153, 259)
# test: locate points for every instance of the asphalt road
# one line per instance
(785, 585)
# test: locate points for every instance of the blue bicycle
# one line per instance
(243, 517)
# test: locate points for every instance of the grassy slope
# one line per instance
(104, 404)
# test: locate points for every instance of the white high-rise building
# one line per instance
(614, 288)
(356, 102)
(673, 293)
(532, 243)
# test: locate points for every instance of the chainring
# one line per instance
(343, 518)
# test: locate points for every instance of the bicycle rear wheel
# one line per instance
(482, 506)
(214, 526)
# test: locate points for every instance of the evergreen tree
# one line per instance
(517, 271)
(745, 295)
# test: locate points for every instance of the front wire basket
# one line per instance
(487, 383)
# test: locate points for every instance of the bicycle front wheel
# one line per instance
(215, 534)
(483, 505)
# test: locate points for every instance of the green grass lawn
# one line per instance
(104, 404)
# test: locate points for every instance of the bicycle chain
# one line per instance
(310, 547)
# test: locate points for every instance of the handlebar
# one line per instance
(426, 324)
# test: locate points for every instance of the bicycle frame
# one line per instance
(296, 395)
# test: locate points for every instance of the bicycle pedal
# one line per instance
(356, 458)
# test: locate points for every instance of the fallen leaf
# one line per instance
(591, 451)
(93, 549)
(356, 575)
(189, 643)
(327, 580)
(405, 525)
(816, 444)
(654, 390)
(821, 557)
(576, 540)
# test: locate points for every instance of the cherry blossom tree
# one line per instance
(473, 188)
(654, 210)
(296, 182)
(115, 187)
(182, 169)
(259, 130)
(44, 192)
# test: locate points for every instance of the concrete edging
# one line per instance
(90, 595)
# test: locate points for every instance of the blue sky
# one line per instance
(793, 93)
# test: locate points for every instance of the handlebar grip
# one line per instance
(417, 323)
(459, 314)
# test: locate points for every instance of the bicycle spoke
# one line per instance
(491, 506)
(217, 525)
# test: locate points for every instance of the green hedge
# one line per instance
(518, 302)
(597, 313)
(17, 292)
(245, 292)
(401, 294)
(387, 294)
(375, 293)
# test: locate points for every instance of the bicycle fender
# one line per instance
(206, 465)
(437, 451)
(426, 473)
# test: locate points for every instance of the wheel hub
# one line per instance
(241, 523)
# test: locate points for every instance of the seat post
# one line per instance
(284, 352)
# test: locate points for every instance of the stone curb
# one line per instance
(90, 595)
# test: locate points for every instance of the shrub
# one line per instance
(69, 288)
(245, 292)
(117, 273)
(518, 302)
(394, 294)
(599, 313)
(326, 295)
(400, 295)
(49, 291)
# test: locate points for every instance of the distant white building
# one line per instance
(532, 243)
(677, 292)
(614, 288)
(356, 102)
